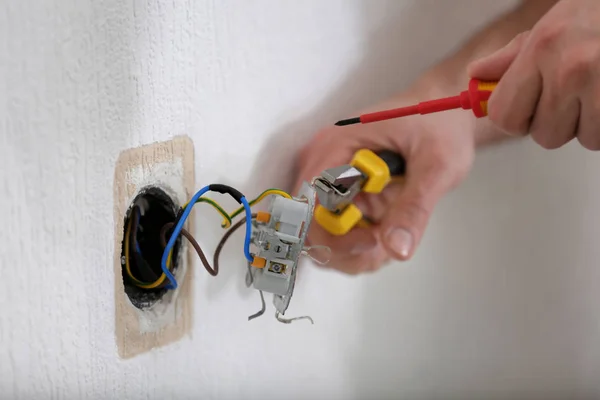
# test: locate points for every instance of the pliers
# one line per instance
(336, 188)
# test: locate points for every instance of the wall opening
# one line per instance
(146, 216)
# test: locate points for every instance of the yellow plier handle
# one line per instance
(378, 169)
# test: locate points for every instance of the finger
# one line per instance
(588, 132)
(358, 250)
(492, 67)
(366, 262)
(376, 206)
(555, 120)
(355, 242)
(403, 226)
(513, 102)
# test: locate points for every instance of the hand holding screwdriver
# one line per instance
(371, 172)
(438, 150)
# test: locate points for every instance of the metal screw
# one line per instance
(276, 267)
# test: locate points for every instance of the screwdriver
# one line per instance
(475, 99)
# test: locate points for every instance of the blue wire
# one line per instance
(176, 233)
(248, 229)
(181, 222)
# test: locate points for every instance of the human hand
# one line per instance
(550, 78)
(438, 149)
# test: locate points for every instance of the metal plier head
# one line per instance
(336, 187)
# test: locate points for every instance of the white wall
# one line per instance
(502, 299)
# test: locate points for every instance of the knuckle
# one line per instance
(501, 120)
(415, 211)
(585, 58)
(578, 67)
(547, 36)
(372, 266)
(594, 146)
(521, 37)
(590, 141)
(545, 140)
(374, 261)
(495, 116)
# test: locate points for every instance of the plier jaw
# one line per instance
(337, 187)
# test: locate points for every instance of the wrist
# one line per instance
(435, 85)
(443, 80)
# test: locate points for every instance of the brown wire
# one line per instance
(224, 239)
(195, 244)
(213, 271)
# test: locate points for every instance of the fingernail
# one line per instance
(400, 242)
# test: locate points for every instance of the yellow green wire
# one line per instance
(160, 280)
(137, 282)
(226, 218)
(257, 200)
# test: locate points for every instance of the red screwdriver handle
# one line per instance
(475, 99)
(479, 92)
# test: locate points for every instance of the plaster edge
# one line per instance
(130, 338)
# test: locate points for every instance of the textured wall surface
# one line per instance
(502, 298)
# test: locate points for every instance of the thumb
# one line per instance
(404, 224)
(492, 67)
